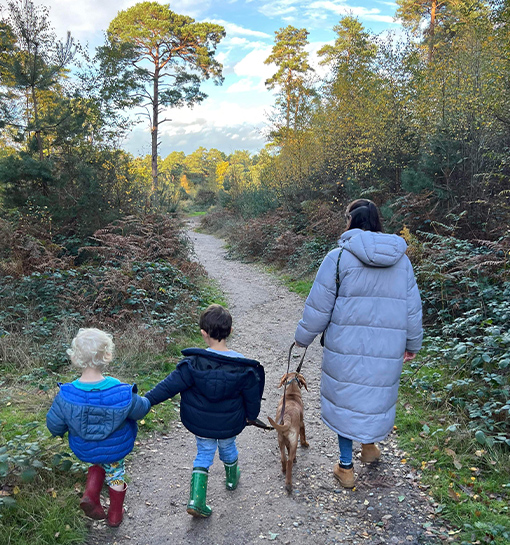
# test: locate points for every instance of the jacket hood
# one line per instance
(218, 377)
(374, 249)
(96, 415)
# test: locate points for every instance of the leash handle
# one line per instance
(298, 370)
(259, 424)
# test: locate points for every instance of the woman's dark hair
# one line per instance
(363, 214)
(216, 321)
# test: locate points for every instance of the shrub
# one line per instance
(205, 198)
(139, 276)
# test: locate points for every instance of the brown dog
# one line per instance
(293, 424)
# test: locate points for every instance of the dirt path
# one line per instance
(387, 506)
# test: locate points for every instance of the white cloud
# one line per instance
(245, 137)
(65, 15)
(218, 114)
(193, 8)
(279, 8)
(239, 41)
(244, 85)
(236, 30)
(321, 71)
(217, 124)
(252, 65)
(340, 8)
(89, 19)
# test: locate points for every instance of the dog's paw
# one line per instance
(305, 444)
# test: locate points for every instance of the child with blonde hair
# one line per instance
(100, 414)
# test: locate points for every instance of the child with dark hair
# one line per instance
(221, 391)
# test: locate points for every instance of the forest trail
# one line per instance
(387, 506)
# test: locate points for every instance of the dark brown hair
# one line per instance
(363, 214)
(216, 321)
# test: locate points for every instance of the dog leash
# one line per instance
(298, 370)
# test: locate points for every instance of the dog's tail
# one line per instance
(279, 427)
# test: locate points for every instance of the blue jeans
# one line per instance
(345, 446)
(206, 449)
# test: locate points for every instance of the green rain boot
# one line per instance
(198, 493)
(232, 473)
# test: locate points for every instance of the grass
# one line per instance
(46, 512)
(196, 213)
(301, 287)
(469, 482)
(43, 487)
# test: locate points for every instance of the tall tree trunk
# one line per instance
(36, 109)
(288, 110)
(44, 182)
(432, 27)
(154, 129)
(36, 125)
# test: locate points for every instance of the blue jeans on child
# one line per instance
(206, 449)
(345, 446)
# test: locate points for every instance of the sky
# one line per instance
(235, 114)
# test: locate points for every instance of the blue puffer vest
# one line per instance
(218, 393)
(101, 423)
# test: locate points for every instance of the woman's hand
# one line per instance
(299, 345)
(408, 356)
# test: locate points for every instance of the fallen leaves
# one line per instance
(453, 454)
(455, 496)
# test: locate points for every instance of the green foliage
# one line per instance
(32, 67)
(415, 182)
(37, 478)
(254, 202)
(42, 519)
(137, 281)
(467, 480)
(139, 275)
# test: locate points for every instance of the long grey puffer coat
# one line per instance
(376, 317)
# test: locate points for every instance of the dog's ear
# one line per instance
(302, 381)
(282, 381)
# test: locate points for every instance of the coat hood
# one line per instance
(218, 377)
(97, 414)
(374, 249)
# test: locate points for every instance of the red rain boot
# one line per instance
(116, 510)
(90, 503)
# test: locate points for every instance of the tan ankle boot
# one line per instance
(344, 476)
(370, 453)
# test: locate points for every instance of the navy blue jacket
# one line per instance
(218, 393)
(101, 423)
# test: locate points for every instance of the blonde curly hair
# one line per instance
(91, 348)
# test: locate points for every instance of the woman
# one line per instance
(366, 301)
